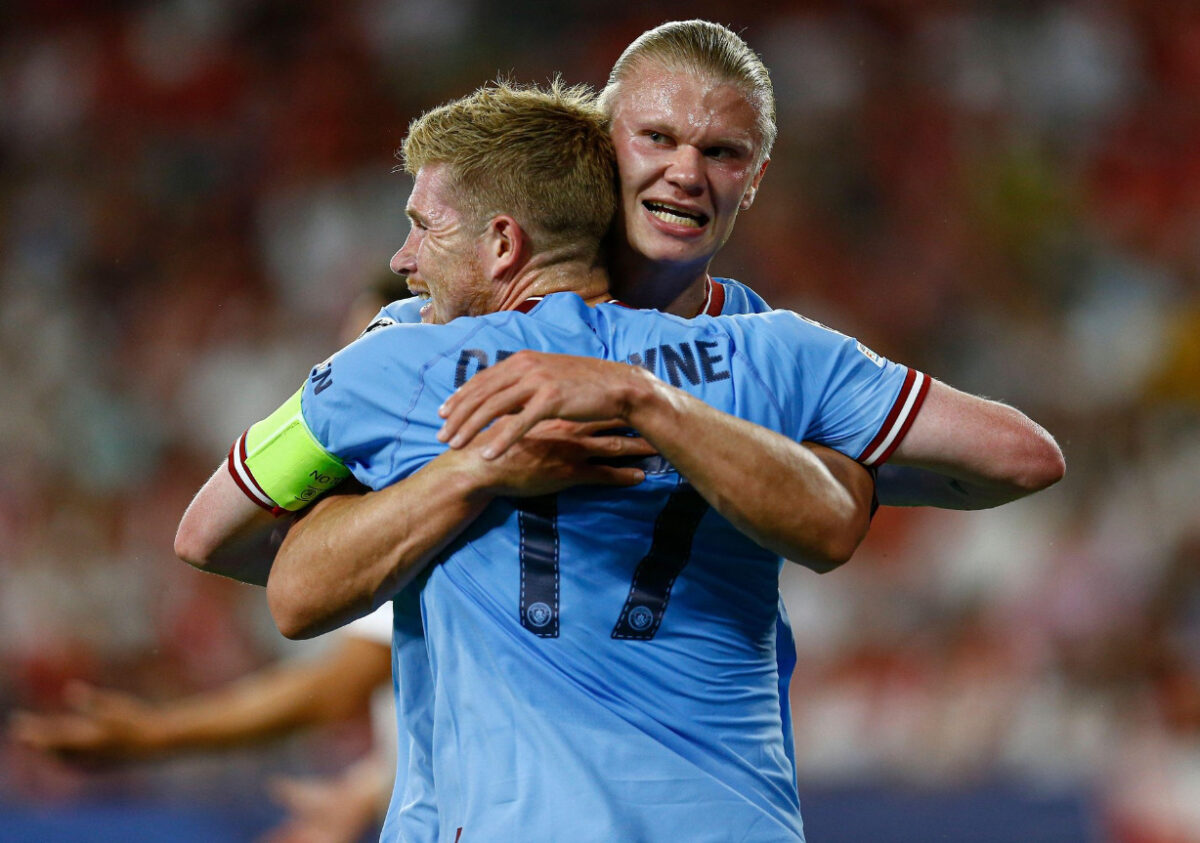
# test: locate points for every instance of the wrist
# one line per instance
(650, 404)
(464, 476)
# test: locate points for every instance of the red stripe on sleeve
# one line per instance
(245, 480)
(899, 419)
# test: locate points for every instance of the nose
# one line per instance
(404, 262)
(686, 170)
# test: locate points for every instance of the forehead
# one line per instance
(685, 100)
(431, 193)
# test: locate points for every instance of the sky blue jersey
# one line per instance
(412, 814)
(604, 660)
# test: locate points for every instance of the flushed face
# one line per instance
(440, 257)
(687, 150)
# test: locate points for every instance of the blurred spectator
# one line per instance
(985, 190)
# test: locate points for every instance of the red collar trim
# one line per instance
(529, 304)
(714, 301)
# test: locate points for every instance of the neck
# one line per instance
(590, 283)
(671, 288)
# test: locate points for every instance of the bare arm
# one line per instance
(805, 502)
(967, 452)
(110, 726)
(350, 553)
(778, 492)
(224, 532)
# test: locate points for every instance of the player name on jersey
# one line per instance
(694, 362)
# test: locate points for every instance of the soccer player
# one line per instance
(628, 635)
(693, 121)
(692, 179)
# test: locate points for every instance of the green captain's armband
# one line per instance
(284, 461)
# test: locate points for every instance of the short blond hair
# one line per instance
(539, 154)
(707, 48)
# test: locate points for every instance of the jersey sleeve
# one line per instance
(400, 312)
(734, 298)
(841, 394)
(374, 404)
(279, 463)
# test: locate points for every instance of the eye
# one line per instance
(721, 153)
(658, 137)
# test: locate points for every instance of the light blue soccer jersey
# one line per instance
(412, 814)
(604, 661)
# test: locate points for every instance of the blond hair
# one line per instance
(539, 154)
(707, 48)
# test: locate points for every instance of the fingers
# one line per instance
(616, 446)
(486, 395)
(466, 419)
(505, 432)
(603, 475)
(590, 428)
(80, 696)
(27, 728)
(54, 733)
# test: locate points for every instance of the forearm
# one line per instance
(274, 701)
(351, 553)
(808, 508)
(967, 452)
(224, 532)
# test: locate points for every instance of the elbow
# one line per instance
(191, 547)
(1043, 467)
(834, 547)
(823, 561)
(291, 616)
(842, 544)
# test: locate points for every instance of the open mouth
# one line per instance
(675, 215)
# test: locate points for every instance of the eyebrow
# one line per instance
(742, 142)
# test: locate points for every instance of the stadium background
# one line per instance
(1006, 195)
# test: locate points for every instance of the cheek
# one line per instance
(633, 168)
(734, 186)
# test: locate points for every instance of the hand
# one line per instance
(557, 454)
(532, 386)
(102, 726)
(334, 810)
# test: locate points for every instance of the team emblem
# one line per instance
(538, 615)
(640, 618)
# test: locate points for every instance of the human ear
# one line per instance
(506, 247)
(752, 190)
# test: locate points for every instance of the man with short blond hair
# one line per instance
(626, 636)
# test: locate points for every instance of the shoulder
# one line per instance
(738, 298)
(402, 311)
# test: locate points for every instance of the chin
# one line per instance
(669, 251)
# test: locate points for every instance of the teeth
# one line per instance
(675, 216)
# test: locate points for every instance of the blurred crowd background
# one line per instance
(1005, 195)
